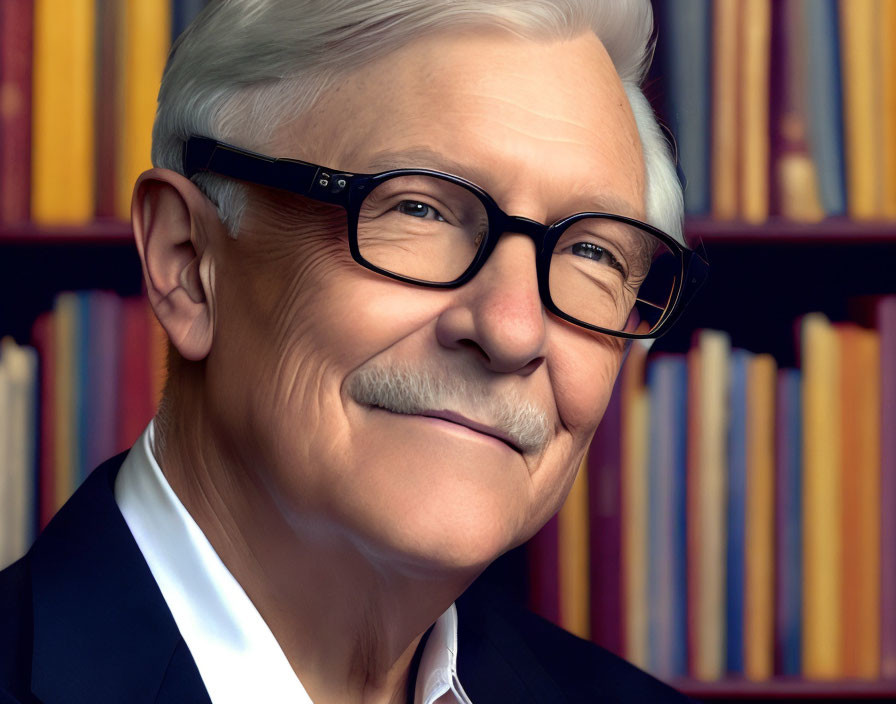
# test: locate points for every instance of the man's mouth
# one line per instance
(458, 419)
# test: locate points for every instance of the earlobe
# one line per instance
(170, 217)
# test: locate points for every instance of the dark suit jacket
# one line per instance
(82, 621)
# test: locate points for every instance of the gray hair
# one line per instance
(244, 66)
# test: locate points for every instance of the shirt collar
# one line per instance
(235, 652)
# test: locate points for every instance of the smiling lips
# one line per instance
(458, 419)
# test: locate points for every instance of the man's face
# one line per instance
(547, 130)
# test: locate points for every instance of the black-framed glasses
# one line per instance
(602, 271)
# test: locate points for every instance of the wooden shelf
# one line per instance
(111, 232)
(789, 689)
(779, 231)
(713, 232)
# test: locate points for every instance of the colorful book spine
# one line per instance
(63, 112)
(707, 494)
(605, 522)
(822, 540)
(759, 585)
(886, 30)
(886, 326)
(667, 589)
(725, 124)
(16, 17)
(736, 512)
(573, 557)
(635, 507)
(788, 524)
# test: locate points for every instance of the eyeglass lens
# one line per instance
(430, 229)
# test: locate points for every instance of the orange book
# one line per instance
(755, 49)
(725, 79)
(573, 557)
(822, 534)
(63, 112)
(145, 31)
(861, 112)
(886, 29)
(759, 587)
(860, 489)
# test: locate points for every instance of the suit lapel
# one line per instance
(102, 630)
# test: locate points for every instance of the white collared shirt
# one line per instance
(235, 652)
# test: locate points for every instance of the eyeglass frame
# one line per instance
(348, 190)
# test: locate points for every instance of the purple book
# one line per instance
(886, 325)
(604, 507)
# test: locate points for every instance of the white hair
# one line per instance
(244, 66)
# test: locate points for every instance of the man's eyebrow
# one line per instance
(423, 157)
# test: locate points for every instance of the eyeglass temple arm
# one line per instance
(203, 154)
(695, 275)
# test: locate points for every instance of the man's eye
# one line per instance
(418, 210)
(589, 250)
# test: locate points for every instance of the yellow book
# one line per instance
(573, 557)
(62, 175)
(861, 110)
(65, 319)
(724, 153)
(860, 474)
(755, 49)
(634, 520)
(886, 31)
(145, 39)
(822, 548)
(759, 587)
(710, 486)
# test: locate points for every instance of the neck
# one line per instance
(347, 618)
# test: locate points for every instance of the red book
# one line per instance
(605, 540)
(136, 405)
(42, 339)
(108, 68)
(16, 19)
(544, 582)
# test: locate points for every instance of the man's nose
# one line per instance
(499, 313)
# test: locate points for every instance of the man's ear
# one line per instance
(173, 222)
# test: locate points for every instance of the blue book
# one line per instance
(789, 525)
(102, 378)
(667, 532)
(825, 96)
(183, 12)
(735, 553)
(684, 39)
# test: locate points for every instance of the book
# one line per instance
(707, 495)
(825, 101)
(605, 522)
(63, 112)
(788, 523)
(543, 568)
(42, 333)
(822, 540)
(64, 336)
(183, 12)
(686, 58)
(759, 534)
(886, 327)
(860, 496)
(735, 548)
(573, 557)
(102, 378)
(886, 89)
(667, 589)
(861, 119)
(18, 380)
(795, 175)
(755, 25)
(106, 118)
(144, 40)
(724, 154)
(635, 505)
(16, 17)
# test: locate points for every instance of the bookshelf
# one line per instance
(764, 276)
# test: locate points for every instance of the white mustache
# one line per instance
(415, 391)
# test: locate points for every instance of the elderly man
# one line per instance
(399, 250)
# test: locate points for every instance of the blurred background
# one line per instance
(733, 527)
